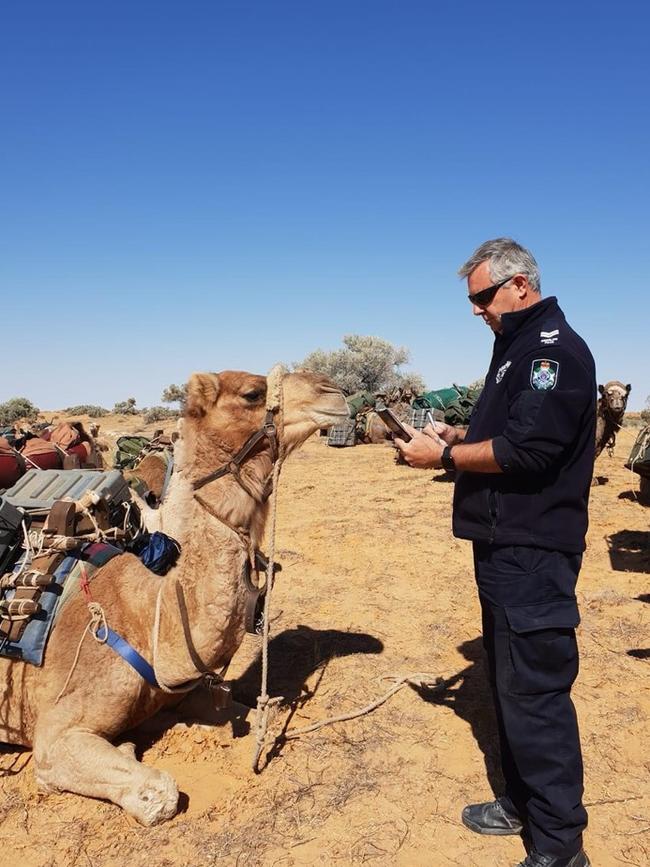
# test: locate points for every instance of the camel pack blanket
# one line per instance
(30, 646)
(639, 459)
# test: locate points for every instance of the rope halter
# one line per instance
(268, 431)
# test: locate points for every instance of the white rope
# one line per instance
(28, 556)
(97, 621)
(264, 703)
(419, 679)
(274, 401)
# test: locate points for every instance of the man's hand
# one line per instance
(448, 433)
(424, 450)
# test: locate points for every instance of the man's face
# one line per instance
(507, 299)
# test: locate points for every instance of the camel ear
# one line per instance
(628, 388)
(202, 392)
(601, 389)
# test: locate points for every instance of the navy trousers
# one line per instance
(529, 613)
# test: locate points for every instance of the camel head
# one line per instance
(223, 410)
(614, 398)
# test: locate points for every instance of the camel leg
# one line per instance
(85, 763)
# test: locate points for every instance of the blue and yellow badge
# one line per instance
(544, 373)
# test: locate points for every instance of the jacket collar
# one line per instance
(514, 323)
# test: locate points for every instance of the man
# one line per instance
(524, 469)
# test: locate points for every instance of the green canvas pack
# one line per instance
(360, 401)
(639, 459)
(129, 449)
(456, 402)
(441, 398)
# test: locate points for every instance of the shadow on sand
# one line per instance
(629, 551)
(294, 655)
(641, 652)
(469, 695)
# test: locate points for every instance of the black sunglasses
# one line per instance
(485, 296)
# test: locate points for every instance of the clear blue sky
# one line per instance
(208, 185)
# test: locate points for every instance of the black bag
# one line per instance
(11, 533)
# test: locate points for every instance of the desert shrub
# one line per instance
(87, 409)
(16, 408)
(174, 394)
(126, 407)
(159, 413)
(364, 364)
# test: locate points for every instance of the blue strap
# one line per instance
(129, 654)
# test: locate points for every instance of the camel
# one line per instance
(186, 624)
(152, 471)
(372, 429)
(609, 413)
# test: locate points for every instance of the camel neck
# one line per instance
(203, 600)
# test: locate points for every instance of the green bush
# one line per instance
(159, 413)
(364, 364)
(17, 408)
(87, 409)
(174, 394)
(126, 407)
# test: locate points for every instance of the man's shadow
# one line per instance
(469, 695)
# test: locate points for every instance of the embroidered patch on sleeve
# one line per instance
(544, 374)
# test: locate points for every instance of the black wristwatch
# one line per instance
(446, 459)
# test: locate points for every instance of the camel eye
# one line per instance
(252, 396)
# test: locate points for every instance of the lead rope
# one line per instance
(265, 704)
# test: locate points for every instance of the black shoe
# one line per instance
(536, 859)
(495, 817)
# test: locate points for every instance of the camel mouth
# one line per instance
(330, 416)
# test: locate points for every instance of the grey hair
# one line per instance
(506, 258)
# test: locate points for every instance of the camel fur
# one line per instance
(152, 470)
(71, 737)
(609, 413)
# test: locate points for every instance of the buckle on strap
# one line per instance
(268, 430)
(220, 690)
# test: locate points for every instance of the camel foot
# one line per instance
(87, 764)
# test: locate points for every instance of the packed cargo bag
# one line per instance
(457, 403)
(42, 454)
(129, 449)
(359, 402)
(12, 464)
(51, 521)
(639, 459)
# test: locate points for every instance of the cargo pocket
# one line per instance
(543, 648)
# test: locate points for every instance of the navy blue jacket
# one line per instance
(538, 406)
